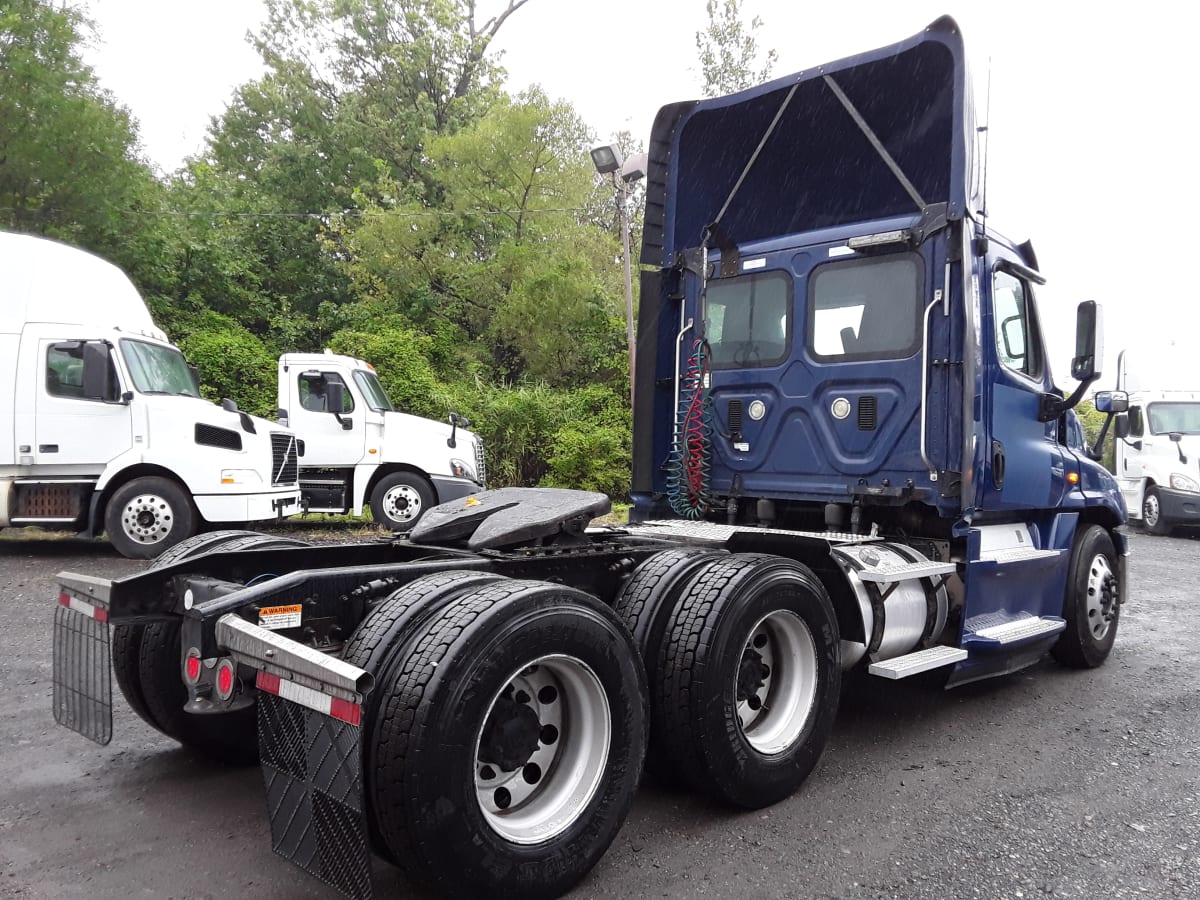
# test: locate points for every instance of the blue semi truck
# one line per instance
(850, 453)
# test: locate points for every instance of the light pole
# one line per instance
(609, 161)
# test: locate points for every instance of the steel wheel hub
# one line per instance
(542, 750)
(1150, 510)
(1102, 596)
(147, 519)
(776, 682)
(402, 503)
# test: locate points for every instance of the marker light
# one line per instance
(1073, 477)
(191, 666)
(225, 678)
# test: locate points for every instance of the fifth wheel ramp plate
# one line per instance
(509, 516)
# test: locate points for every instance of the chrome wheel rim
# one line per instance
(776, 683)
(1150, 510)
(402, 503)
(1101, 597)
(147, 519)
(532, 788)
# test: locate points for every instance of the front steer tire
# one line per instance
(461, 710)
(749, 680)
(399, 500)
(149, 515)
(1092, 606)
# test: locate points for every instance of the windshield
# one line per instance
(1182, 418)
(373, 392)
(157, 369)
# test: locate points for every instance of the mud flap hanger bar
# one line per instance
(266, 651)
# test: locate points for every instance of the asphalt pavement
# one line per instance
(1047, 783)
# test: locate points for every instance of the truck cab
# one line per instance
(1157, 458)
(102, 427)
(835, 340)
(359, 449)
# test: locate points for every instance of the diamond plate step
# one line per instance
(1021, 629)
(921, 661)
(1018, 554)
(887, 574)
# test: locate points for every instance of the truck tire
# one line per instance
(157, 682)
(400, 499)
(127, 639)
(1092, 606)
(749, 680)
(509, 742)
(386, 631)
(148, 515)
(1152, 516)
(646, 603)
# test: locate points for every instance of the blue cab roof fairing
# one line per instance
(818, 168)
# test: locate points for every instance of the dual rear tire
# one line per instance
(506, 735)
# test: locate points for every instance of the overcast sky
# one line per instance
(1092, 147)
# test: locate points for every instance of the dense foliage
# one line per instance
(376, 192)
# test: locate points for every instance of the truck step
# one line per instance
(888, 574)
(1018, 554)
(1020, 629)
(713, 532)
(921, 661)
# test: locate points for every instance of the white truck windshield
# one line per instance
(1181, 418)
(373, 392)
(157, 369)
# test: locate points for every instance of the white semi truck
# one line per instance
(358, 450)
(1156, 454)
(102, 427)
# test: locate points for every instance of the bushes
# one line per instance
(554, 437)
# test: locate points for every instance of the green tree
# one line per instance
(69, 165)
(728, 49)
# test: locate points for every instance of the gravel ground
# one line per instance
(1048, 783)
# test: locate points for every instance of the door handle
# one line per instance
(998, 464)
(47, 448)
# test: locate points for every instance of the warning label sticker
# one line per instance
(279, 617)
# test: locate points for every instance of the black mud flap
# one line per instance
(82, 674)
(312, 765)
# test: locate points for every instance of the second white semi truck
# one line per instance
(359, 450)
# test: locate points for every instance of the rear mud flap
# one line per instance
(82, 674)
(312, 765)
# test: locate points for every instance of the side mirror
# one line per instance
(97, 372)
(335, 397)
(1111, 402)
(195, 373)
(1089, 341)
(1175, 436)
(1121, 426)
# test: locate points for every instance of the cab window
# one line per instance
(1016, 337)
(312, 391)
(749, 320)
(64, 372)
(865, 308)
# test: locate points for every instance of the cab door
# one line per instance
(79, 421)
(1023, 463)
(329, 439)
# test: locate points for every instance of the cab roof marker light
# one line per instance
(883, 238)
(760, 263)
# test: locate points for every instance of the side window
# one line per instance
(1137, 423)
(64, 371)
(312, 390)
(1016, 338)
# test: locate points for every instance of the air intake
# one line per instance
(213, 436)
(735, 416)
(867, 410)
